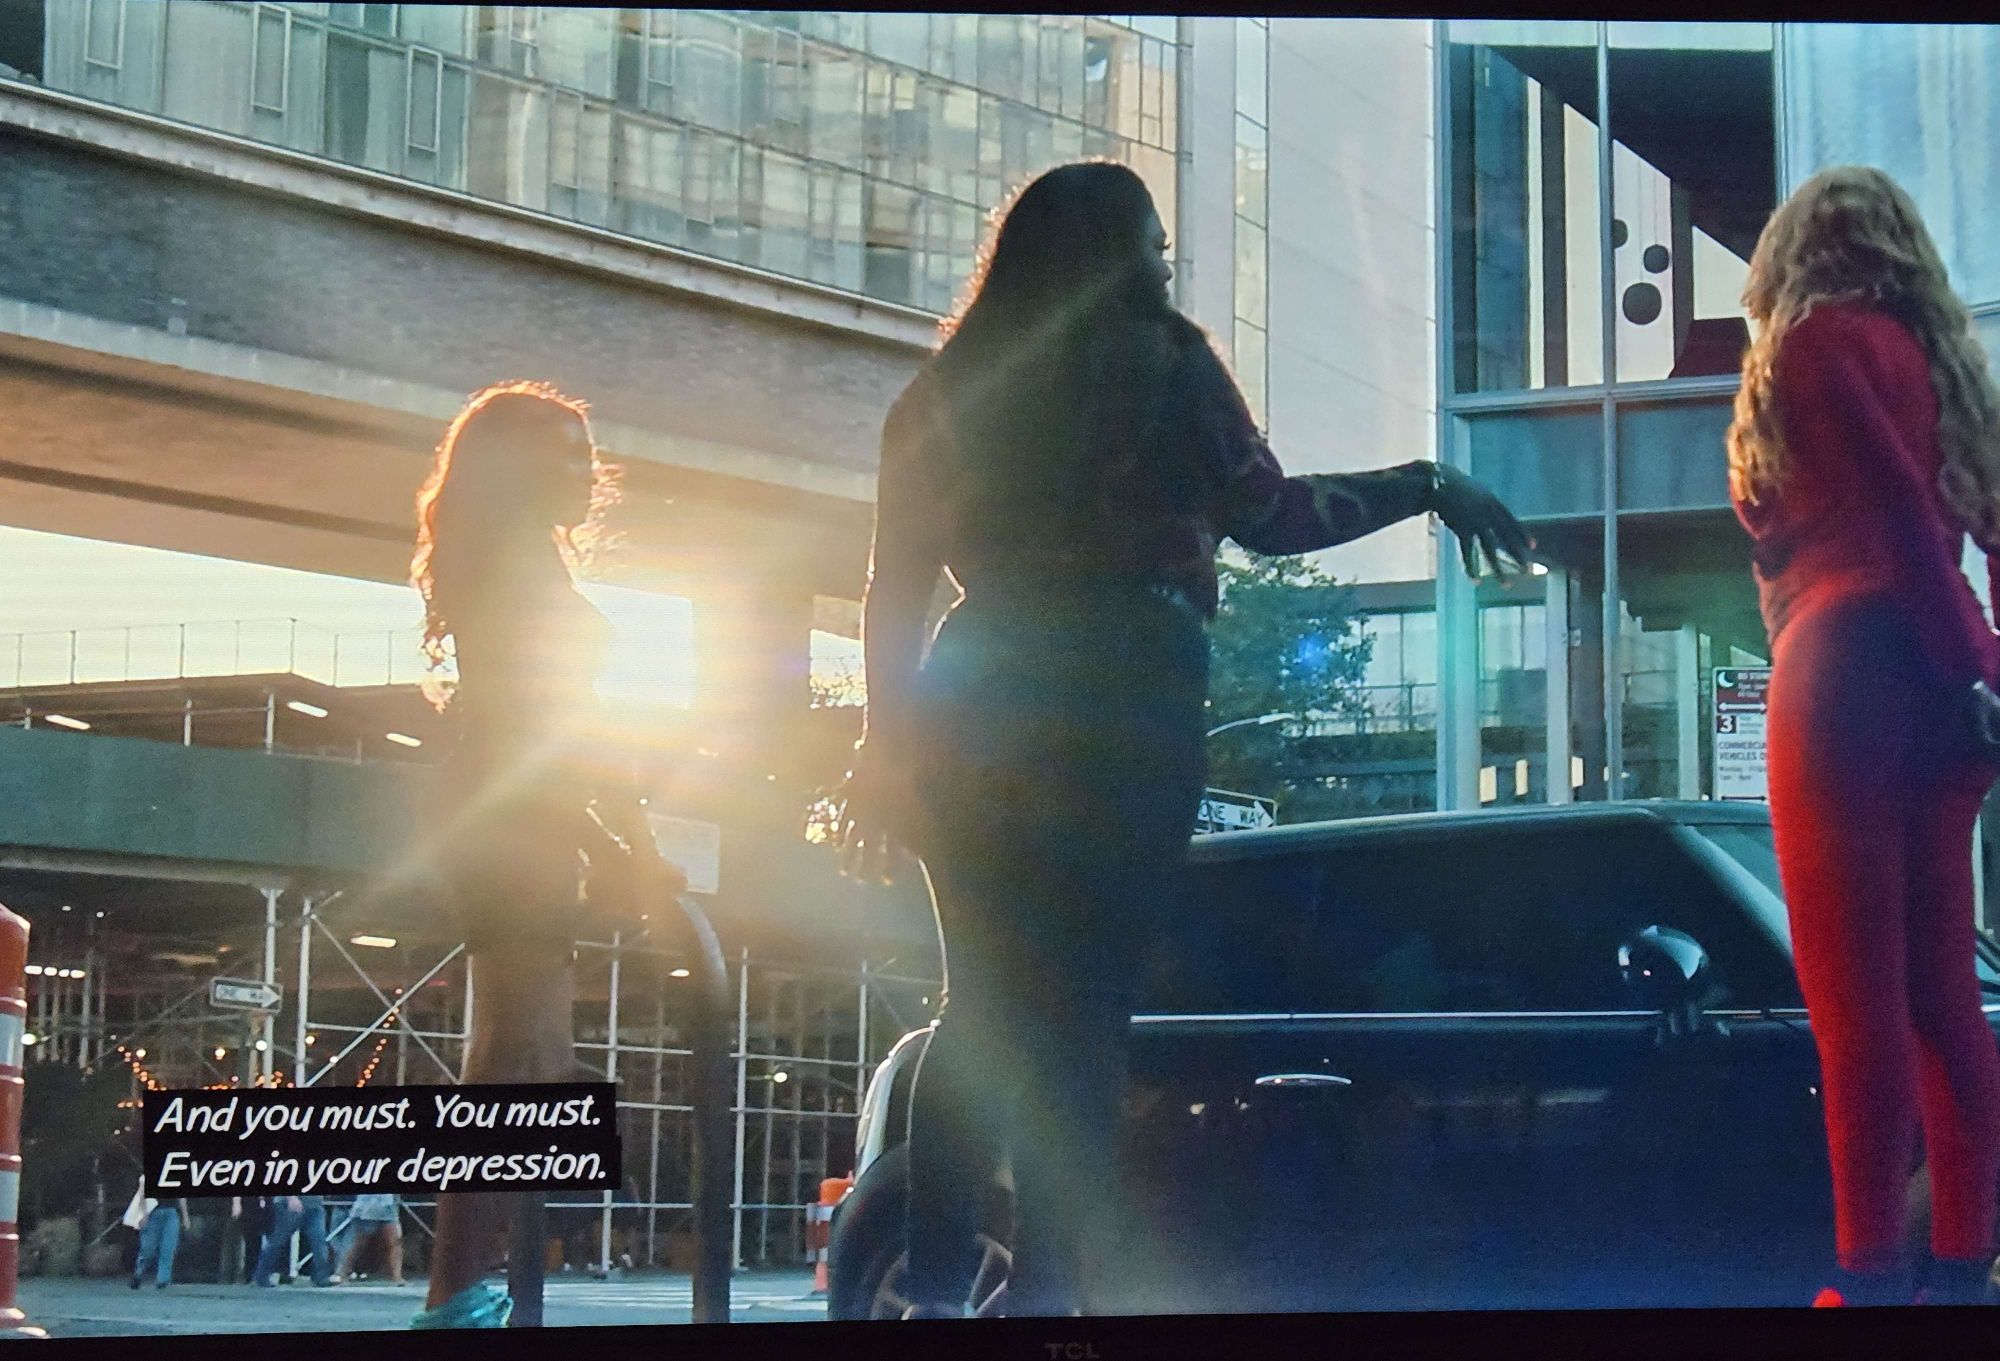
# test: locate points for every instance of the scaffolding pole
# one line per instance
(742, 1097)
(83, 995)
(860, 1055)
(653, 1173)
(300, 1076)
(611, 1076)
(103, 1020)
(267, 1023)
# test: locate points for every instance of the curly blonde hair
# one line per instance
(1852, 235)
(481, 498)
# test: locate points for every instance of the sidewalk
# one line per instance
(108, 1307)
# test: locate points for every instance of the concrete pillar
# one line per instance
(1205, 236)
(1556, 708)
(1687, 693)
(1458, 654)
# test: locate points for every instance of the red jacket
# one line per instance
(1859, 511)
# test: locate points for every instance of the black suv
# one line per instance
(1539, 1058)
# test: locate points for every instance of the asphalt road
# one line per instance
(78, 1307)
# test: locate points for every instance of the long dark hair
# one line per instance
(1056, 363)
(491, 499)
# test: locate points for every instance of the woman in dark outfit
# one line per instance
(533, 792)
(1071, 457)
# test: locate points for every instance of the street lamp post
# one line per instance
(1249, 722)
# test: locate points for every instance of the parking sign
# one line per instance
(1741, 712)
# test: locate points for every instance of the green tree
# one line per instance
(68, 1118)
(1286, 639)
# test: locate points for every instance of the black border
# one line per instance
(1638, 1335)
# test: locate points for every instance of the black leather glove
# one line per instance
(1480, 521)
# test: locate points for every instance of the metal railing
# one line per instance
(214, 649)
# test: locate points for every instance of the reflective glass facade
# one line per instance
(1604, 188)
(1252, 329)
(1605, 185)
(857, 151)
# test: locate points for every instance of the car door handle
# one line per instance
(1304, 1080)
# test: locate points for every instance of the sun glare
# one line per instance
(650, 663)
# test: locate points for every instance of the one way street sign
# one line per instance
(244, 993)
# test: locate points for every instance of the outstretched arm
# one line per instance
(1268, 512)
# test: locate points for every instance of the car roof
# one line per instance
(1307, 836)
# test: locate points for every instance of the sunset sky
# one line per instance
(55, 583)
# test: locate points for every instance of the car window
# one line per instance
(1519, 919)
(1752, 846)
(1228, 942)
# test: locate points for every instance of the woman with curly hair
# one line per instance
(533, 792)
(1865, 449)
(1071, 458)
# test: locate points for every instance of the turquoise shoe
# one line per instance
(476, 1306)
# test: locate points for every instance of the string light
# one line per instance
(140, 1071)
(374, 1059)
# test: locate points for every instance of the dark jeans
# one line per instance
(1065, 772)
(310, 1220)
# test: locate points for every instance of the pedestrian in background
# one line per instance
(376, 1219)
(1865, 449)
(160, 1224)
(305, 1216)
(249, 1217)
(1071, 458)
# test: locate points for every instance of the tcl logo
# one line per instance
(1072, 1351)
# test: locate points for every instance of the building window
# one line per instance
(379, 19)
(104, 33)
(947, 113)
(509, 36)
(426, 113)
(776, 87)
(656, 61)
(1251, 339)
(1527, 302)
(271, 59)
(1694, 177)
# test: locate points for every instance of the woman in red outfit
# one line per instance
(1866, 447)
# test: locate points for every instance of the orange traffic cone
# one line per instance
(819, 1231)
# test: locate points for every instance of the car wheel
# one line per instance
(868, 1259)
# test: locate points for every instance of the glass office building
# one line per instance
(1601, 188)
(856, 151)
(1250, 328)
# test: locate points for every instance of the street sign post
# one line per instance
(1223, 811)
(244, 994)
(1741, 711)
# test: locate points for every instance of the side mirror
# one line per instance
(1666, 971)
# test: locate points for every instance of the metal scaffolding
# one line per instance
(807, 1038)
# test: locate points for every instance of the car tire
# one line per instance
(867, 1252)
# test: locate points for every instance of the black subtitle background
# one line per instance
(395, 1144)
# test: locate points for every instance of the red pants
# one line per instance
(1874, 810)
